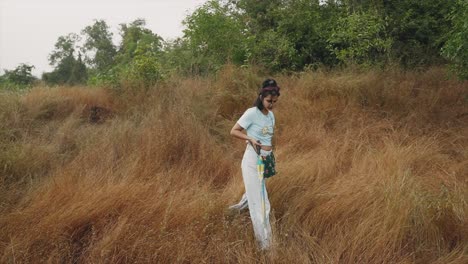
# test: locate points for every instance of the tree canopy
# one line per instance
(277, 35)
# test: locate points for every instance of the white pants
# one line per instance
(256, 197)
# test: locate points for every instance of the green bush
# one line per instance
(360, 38)
(144, 71)
(110, 78)
(18, 78)
(456, 47)
(274, 51)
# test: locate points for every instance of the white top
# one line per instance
(258, 125)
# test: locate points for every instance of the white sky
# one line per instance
(30, 28)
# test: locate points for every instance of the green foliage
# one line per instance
(109, 78)
(78, 74)
(18, 78)
(214, 36)
(143, 71)
(68, 69)
(418, 29)
(64, 48)
(178, 58)
(99, 43)
(277, 35)
(274, 51)
(359, 38)
(136, 62)
(296, 33)
(308, 26)
(137, 39)
(456, 47)
(260, 15)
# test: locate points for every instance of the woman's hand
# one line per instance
(254, 142)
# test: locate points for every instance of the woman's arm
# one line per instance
(237, 132)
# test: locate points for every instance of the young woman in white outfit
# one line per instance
(259, 122)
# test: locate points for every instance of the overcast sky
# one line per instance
(30, 28)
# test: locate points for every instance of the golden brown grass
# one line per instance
(373, 169)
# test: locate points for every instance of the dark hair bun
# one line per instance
(269, 83)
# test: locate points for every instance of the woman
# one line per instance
(259, 122)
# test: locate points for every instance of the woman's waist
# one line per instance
(262, 147)
(267, 148)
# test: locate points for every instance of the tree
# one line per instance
(99, 43)
(259, 16)
(138, 57)
(64, 48)
(67, 70)
(214, 36)
(136, 36)
(20, 76)
(177, 57)
(79, 74)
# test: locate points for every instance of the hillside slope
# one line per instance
(372, 167)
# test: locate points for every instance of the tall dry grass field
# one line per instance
(372, 167)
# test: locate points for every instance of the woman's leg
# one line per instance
(257, 198)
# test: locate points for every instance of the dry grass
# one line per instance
(373, 169)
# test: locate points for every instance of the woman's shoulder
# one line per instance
(251, 110)
(250, 114)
